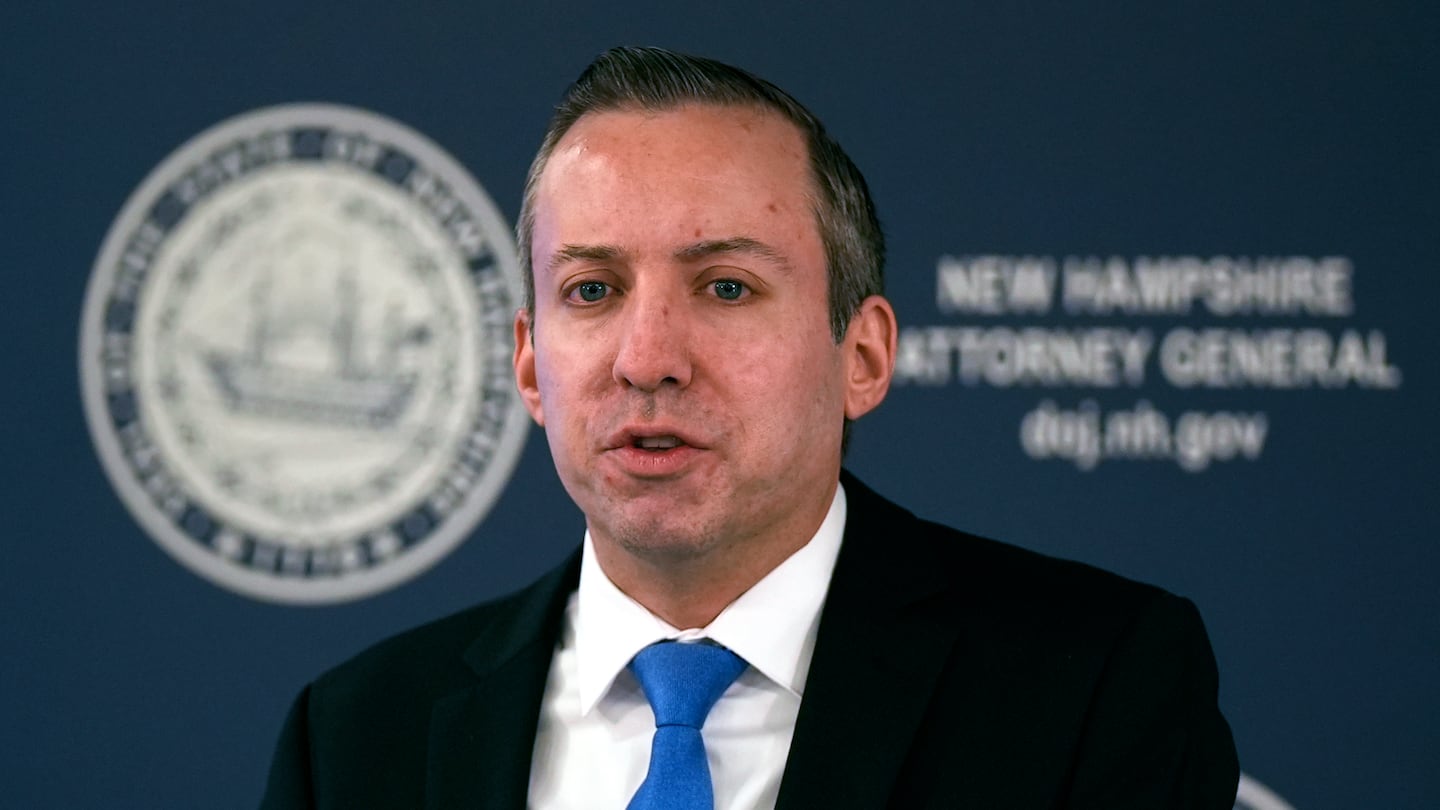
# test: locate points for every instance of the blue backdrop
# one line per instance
(1065, 138)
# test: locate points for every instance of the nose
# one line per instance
(654, 349)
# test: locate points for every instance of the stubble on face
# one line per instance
(755, 387)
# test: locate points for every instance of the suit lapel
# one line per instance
(877, 660)
(875, 639)
(481, 737)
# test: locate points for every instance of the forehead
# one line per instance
(696, 163)
(742, 132)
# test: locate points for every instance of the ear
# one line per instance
(525, 380)
(869, 350)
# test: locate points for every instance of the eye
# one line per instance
(590, 291)
(728, 289)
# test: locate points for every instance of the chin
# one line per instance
(660, 543)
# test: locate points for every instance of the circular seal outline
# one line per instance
(454, 526)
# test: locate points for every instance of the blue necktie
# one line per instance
(682, 682)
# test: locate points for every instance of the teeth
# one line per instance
(658, 442)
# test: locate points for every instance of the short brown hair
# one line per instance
(656, 79)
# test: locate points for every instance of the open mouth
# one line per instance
(656, 444)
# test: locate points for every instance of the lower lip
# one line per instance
(655, 463)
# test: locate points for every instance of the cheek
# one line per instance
(561, 383)
(792, 386)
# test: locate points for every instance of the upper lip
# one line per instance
(630, 436)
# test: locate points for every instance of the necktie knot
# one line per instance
(682, 683)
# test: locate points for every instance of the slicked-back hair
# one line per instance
(655, 80)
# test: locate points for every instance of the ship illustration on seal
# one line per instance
(342, 387)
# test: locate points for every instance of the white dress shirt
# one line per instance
(592, 745)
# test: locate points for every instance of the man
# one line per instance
(704, 320)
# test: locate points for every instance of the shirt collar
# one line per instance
(772, 625)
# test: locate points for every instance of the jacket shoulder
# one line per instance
(962, 564)
(446, 654)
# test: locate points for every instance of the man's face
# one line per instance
(682, 362)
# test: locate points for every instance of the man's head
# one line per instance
(655, 80)
(678, 347)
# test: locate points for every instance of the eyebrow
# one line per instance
(743, 245)
(735, 245)
(584, 253)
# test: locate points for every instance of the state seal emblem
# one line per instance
(295, 354)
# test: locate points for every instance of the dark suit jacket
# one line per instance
(949, 672)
